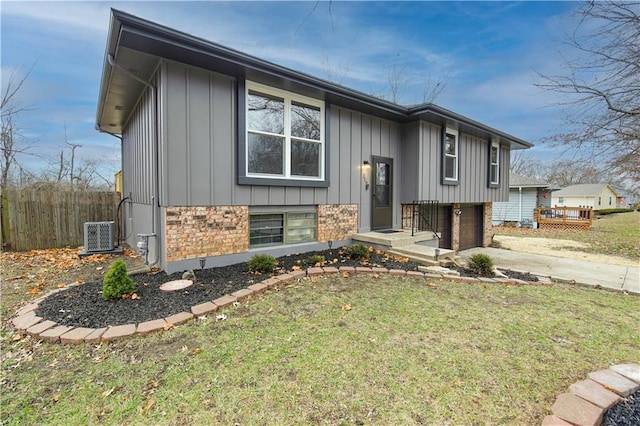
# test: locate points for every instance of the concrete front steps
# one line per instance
(425, 254)
(420, 247)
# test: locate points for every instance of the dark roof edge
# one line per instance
(121, 19)
(446, 113)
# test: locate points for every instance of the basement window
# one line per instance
(269, 229)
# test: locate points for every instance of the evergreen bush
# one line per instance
(116, 282)
(262, 263)
(481, 264)
(315, 260)
(357, 251)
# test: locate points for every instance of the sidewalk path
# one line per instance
(625, 278)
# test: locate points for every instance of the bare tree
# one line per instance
(432, 89)
(10, 107)
(397, 78)
(524, 164)
(602, 86)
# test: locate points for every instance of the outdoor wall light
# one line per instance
(458, 212)
(365, 171)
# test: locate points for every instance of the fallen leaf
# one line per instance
(135, 296)
(60, 285)
(270, 310)
(431, 284)
(314, 280)
(34, 290)
(79, 282)
(108, 392)
(17, 337)
(99, 268)
(195, 351)
(295, 268)
(56, 396)
(147, 405)
(375, 276)
(345, 274)
(168, 326)
(346, 307)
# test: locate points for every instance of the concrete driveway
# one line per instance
(625, 278)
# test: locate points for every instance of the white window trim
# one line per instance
(288, 99)
(454, 133)
(494, 144)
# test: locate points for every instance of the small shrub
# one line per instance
(116, 282)
(481, 264)
(262, 263)
(356, 251)
(315, 260)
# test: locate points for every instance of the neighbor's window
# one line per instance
(494, 164)
(610, 200)
(561, 199)
(267, 229)
(450, 157)
(285, 134)
(599, 201)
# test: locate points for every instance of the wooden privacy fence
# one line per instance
(37, 219)
(563, 217)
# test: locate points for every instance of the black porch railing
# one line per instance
(420, 216)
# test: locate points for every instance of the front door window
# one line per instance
(382, 184)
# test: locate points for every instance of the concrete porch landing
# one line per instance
(420, 247)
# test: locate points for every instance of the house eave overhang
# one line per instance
(152, 41)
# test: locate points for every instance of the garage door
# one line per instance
(471, 227)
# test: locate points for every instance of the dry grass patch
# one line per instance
(361, 350)
(616, 234)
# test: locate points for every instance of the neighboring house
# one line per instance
(226, 155)
(525, 194)
(626, 198)
(598, 196)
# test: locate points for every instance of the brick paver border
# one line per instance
(26, 321)
(585, 402)
(588, 400)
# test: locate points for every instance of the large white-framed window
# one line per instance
(494, 163)
(450, 157)
(285, 135)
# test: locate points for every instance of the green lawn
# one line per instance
(616, 234)
(359, 350)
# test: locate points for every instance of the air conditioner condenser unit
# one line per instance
(98, 236)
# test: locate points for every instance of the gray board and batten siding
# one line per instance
(198, 148)
(422, 168)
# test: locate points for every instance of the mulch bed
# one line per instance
(83, 305)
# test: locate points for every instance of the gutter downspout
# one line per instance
(520, 205)
(154, 198)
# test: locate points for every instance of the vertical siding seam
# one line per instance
(212, 141)
(187, 136)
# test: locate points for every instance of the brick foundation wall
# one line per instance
(487, 224)
(337, 222)
(201, 231)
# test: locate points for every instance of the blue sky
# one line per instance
(487, 54)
